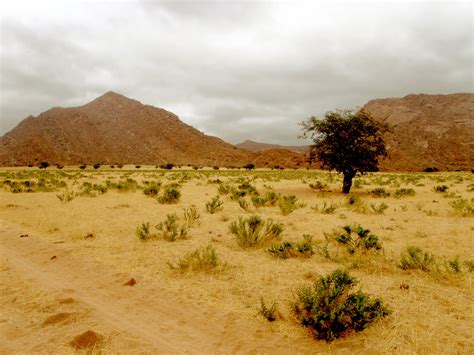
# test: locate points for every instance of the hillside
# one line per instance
(427, 131)
(261, 147)
(116, 129)
(434, 131)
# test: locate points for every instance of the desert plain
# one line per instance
(78, 259)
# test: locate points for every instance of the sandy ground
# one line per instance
(57, 283)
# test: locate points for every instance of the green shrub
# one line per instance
(379, 192)
(258, 201)
(355, 203)
(247, 188)
(330, 309)
(287, 249)
(236, 194)
(455, 265)
(152, 190)
(356, 237)
(462, 207)
(143, 231)
(66, 196)
(126, 185)
(224, 189)
(91, 190)
(170, 229)
(215, 205)
(101, 189)
(191, 216)
(269, 313)
(271, 198)
(318, 185)
(469, 264)
(353, 199)
(325, 208)
(214, 181)
(380, 208)
(440, 188)
(404, 192)
(170, 195)
(243, 204)
(416, 259)
(201, 259)
(268, 200)
(287, 204)
(255, 232)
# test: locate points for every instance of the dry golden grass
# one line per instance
(433, 315)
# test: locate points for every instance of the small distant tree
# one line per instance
(43, 165)
(167, 166)
(96, 166)
(249, 166)
(346, 141)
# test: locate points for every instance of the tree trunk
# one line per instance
(347, 183)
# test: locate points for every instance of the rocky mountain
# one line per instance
(427, 131)
(116, 129)
(261, 147)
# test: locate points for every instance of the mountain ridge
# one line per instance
(115, 129)
(434, 131)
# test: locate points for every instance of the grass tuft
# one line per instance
(255, 232)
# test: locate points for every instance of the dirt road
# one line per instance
(51, 294)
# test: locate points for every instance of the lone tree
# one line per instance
(347, 141)
(43, 165)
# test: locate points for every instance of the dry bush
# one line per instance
(255, 232)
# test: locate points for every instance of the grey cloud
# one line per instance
(238, 71)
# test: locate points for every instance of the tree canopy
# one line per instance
(347, 141)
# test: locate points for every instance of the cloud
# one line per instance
(240, 70)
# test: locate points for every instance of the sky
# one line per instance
(234, 69)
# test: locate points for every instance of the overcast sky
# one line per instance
(238, 70)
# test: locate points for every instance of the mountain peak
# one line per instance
(113, 94)
(111, 97)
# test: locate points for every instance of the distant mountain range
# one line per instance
(115, 129)
(427, 131)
